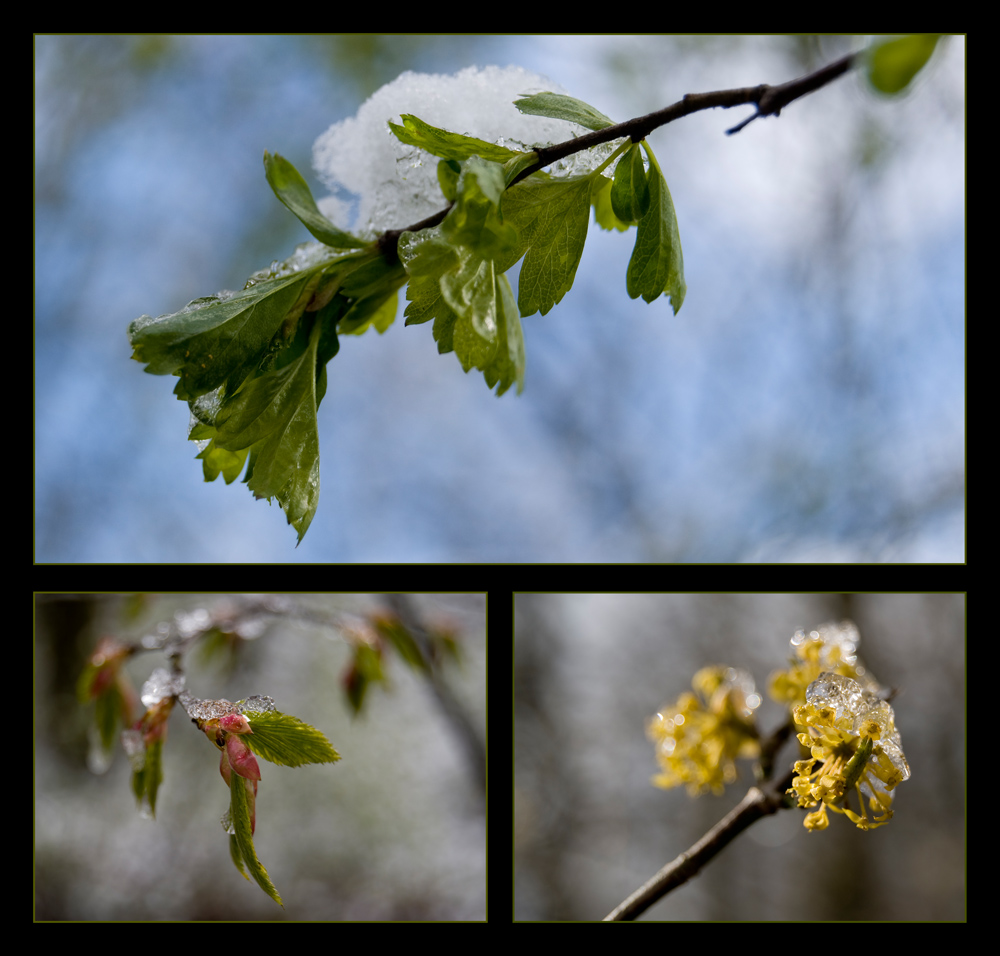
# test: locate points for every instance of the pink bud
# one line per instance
(251, 787)
(235, 724)
(241, 759)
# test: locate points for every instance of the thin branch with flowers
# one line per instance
(844, 724)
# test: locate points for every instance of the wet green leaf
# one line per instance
(563, 107)
(474, 220)
(217, 339)
(445, 144)
(657, 264)
(239, 809)
(293, 191)
(630, 192)
(286, 740)
(551, 216)
(274, 415)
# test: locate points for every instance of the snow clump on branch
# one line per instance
(397, 184)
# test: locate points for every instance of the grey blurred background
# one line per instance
(807, 404)
(590, 828)
(395, 830)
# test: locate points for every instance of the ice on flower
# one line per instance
(397, 184)
(859, 709)
(160, 685)
(830, 647)
(840, 641)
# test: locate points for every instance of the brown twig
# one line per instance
(759, 802)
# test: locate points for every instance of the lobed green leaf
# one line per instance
(213, 340)
(472, 306)
(551, 216)
(474, 220)
(274, 416)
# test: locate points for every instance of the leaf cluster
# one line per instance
(252, 364)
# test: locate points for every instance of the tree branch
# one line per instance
(759, 802)
(769, 100)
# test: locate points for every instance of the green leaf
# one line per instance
(474, 219)
(375, 311)
(447, 145)
(551, 216)
(274, 415)
(604, 214)
(286, 740)
(215, 460)
(293, 191)
(448, 171)
(657, 264)
(217, 338)
(893, 64)
(239, 809)
(630, 192)
(476, 319)
(506, 366)
(234, 852)
(565, 108)
(514, 167)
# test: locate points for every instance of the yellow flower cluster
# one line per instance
(698, 737)
(847, 729)
(851, 735)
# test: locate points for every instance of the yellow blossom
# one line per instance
(698, 737)
(851, 736)
(829, 647)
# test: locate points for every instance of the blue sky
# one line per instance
(806, 404)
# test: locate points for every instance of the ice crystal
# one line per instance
(190, 623)
(255, 704)
(211, 709)
(135, 749)
(840, 641)
(857, 706)
(160, 685)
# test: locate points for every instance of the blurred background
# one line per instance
(590, 828)
(396, 830)
(807, 404)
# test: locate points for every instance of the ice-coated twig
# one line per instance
(211, 709)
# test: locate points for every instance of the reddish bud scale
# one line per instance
(241, 759)
(235, 724)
